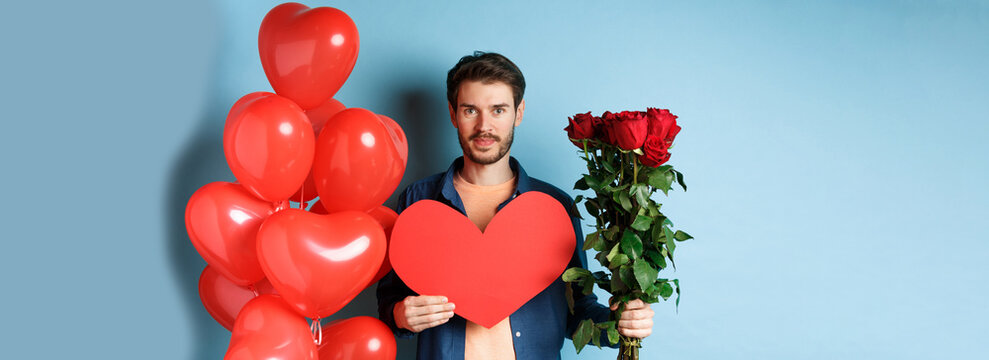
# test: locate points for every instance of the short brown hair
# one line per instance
(487, 68)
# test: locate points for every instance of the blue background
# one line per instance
(834, 153)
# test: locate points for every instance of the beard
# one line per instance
(481, 159)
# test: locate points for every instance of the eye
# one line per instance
(469, 111)
(499, 111)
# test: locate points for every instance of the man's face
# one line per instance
(485, 118)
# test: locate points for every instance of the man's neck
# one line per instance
(492, 174)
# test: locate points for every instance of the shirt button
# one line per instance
(518, 334)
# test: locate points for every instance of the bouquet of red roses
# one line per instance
(625, 153)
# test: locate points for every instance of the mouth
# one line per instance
(483, 141)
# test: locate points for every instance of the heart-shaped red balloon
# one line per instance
(317, 117)
(222, 220)
(526, 246)
(318, 263)
(357, 338)
(398, 137)
(357, 164)
(306, 53)
(386, 217)
(268, 329)
(223, 299)
(269, 143)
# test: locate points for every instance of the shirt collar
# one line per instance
(522, 185)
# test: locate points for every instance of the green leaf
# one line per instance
(592, 208)
(617, 286)
(641, 223)
(577, 199)
(656, 258)
(613, 335)
(575, 273)
(671, 245)
(631, 244)
(627, 275)
(581, 184)
(569, 292)
(680, 180)
(666, 291)
(583, 334)
(645, 275)
(587, 284)
(682, 236)
(607, 166)
(625, 201)
(641, 194)
(602, 258)
(661, 180)
(611, 232)
(605, 325)
(608, 180)
(677, 283)
(614, 252)
(593, 241)
(596, 337)
(619, 260)
(593, 182)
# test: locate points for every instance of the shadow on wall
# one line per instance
(418, 108)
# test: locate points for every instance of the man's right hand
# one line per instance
(418, 313)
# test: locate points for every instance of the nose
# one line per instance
(484, 123)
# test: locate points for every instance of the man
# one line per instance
(484, 92)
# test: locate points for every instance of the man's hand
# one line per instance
(636, 321)
(418, 313)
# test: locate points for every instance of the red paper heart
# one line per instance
(306, 53)
(526, 246)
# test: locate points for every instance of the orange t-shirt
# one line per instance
(481, 203)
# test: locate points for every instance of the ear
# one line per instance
(519, 112)
(453, 115)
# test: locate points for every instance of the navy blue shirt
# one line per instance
(539, 326)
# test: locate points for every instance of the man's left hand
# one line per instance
(636, 321)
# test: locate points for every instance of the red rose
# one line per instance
(663, 129)
(662, 124)
(582, 126)
(655, 152)
(626, 130)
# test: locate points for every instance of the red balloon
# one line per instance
(357, 165)
(242, 102)
(317, 117)
(386, 217)
(268, 329)
(306, 53)
(222, 220)
(223, 299)
(318, 208)
(318, 263)
(357, 338)
(398, 137)
(269, 146)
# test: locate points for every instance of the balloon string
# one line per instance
(302, 197)
(317, 331)
(253, 290)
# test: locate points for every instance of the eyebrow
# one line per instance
(495, 106)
